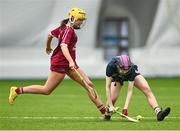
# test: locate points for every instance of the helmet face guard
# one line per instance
(123, 64)
(78, 24)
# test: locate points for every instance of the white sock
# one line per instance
(157, 110)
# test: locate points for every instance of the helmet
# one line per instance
(123, 62)
(77, 13)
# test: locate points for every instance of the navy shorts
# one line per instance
(121, 80)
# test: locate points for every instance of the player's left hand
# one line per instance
(111, 109)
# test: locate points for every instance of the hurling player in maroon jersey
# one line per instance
(63, 61)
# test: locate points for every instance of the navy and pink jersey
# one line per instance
(112, 71)
(65, 35)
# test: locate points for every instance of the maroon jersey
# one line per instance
(65, 35)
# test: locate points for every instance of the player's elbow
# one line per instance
(47, 91)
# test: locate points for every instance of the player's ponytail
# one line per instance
(64, 22)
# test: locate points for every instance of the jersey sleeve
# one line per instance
(55, 32)
(66, 38)
(134, 72)
(109, 70)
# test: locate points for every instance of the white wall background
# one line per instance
(160, 55)
(24, 28)
(24, 25)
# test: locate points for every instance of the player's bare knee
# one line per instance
(148, 92)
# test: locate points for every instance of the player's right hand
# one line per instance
(49, 50)
(72, 65)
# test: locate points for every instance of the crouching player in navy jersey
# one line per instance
(121, 69)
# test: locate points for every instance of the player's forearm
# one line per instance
(129, 95)
(128, 99)
(108, 96)
(66, 52)
(108, 91)
(48, 42)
